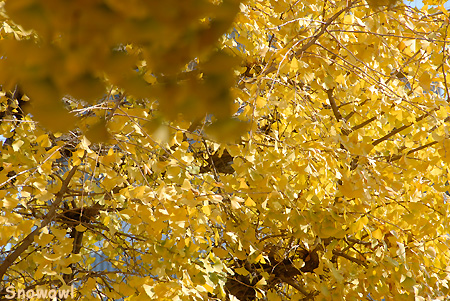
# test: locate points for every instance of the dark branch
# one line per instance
(334, 107)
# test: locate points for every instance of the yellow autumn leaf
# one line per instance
(249, 202)
(80, 228)
(377, 234)
(241, 271)
(294, 65)
(425, 80)
(360, 223)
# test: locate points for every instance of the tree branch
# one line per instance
(336, 112)
(47, 219)
(324, 27)
(363, 124)
(314, 38)
(297, 286)
(397, 157)
(397, 130)
(352, 259)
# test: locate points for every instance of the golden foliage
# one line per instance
(208, 150)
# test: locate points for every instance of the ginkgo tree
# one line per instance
(217, 150)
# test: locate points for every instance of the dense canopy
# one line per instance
(217, 150)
